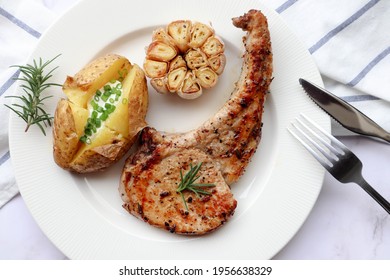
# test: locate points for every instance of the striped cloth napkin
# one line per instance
(349, 41)
(21, 24)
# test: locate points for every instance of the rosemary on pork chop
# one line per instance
(187, 182)
(35, 81)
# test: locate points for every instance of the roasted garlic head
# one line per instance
(184, 58)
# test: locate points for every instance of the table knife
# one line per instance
(343, 112)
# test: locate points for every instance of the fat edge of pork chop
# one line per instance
(225, 144)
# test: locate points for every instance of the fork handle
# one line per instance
(375, 195)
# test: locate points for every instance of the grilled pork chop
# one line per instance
(224, 145)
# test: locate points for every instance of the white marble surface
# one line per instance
(345, 222)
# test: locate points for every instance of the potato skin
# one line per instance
(101, 157)
(138, 103)
(66, 140)
(108, 145)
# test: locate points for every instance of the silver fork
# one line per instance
(344, 165)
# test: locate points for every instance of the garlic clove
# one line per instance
(155, 69)
(207, 78)
(162, 36)
(217, 63)
(176, 78)
(213, 46)
(160, 51)
(199, 34)
(180, 31)
(191, 89)
(160, 85)
(195, 59)
(177, 62)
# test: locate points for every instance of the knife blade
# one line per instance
(343, 112)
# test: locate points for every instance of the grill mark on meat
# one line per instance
(225, 144)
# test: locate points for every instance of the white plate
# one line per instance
(82, 215)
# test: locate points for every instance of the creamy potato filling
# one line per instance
(100, 106)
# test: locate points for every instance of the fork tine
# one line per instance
(318, 137)
(333, 140)
(308, 147)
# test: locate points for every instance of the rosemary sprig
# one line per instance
(35, 81)
(187, 182)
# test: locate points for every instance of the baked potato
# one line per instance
(99, 121)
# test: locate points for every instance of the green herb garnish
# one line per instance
(101, 110)
(35, 81)
(188, 183)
